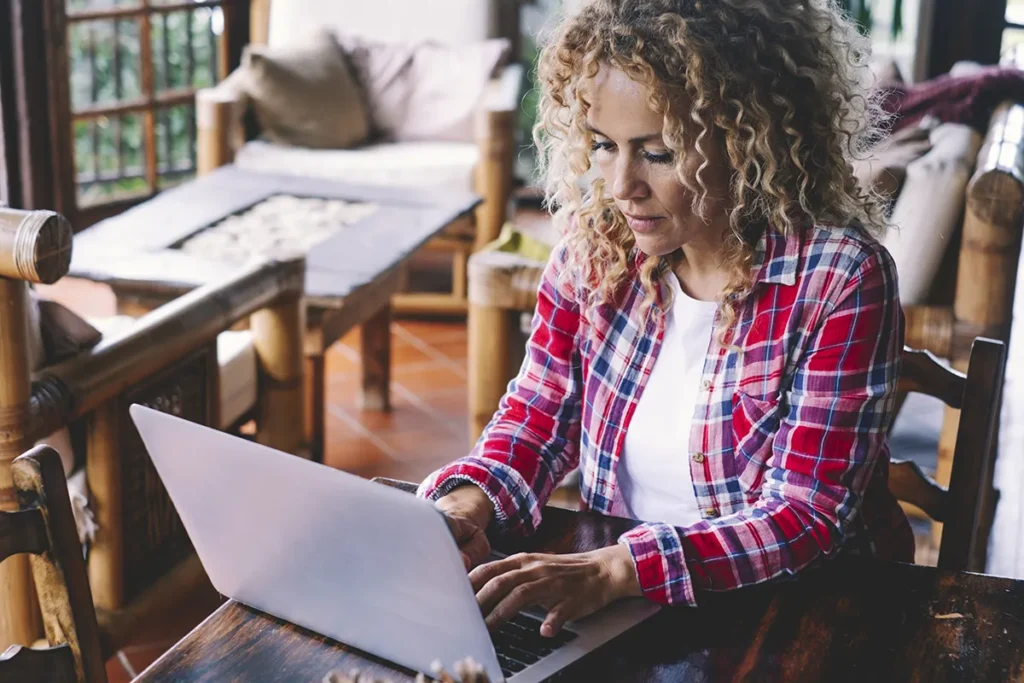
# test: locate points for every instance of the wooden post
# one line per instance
(375, 360)
(277, 333)
(490, 329)
(35, 246)
(315, 405)
(494, 173)
(103, 472)
(219, 130)
(989, 251)
(259, 21)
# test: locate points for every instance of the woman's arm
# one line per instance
(533, 439)
(839, 410)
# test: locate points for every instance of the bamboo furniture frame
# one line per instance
(167, 360)
(221, 132)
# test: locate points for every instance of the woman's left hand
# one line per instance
(568, 586)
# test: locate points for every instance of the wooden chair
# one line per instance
(43, 527)
(141, 560)
(221, 129)
(966, 507)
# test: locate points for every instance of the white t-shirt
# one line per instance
(654, 467)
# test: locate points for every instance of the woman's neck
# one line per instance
(699, 268)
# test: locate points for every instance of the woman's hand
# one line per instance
(469, 512)
(568, 586)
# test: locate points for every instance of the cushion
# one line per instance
(236, 357)
(445, 21)
(305, 95)
(425, 90)
(448, 165)
(930, 208)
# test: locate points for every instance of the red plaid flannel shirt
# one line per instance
(788, 447)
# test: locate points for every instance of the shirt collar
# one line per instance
(776, 258)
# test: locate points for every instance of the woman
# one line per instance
(717, 338)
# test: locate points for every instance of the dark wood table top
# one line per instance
(134, 251)
(851, 620)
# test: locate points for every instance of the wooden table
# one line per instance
(350, 277)
(853, 620)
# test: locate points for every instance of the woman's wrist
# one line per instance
(469, 501)
(620, 571)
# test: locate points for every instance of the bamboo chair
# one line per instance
(966, 507)
(141, 559)
(44, 527)
(221, 133)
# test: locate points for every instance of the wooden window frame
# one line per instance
(44, 120)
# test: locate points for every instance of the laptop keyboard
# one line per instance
(519, 643)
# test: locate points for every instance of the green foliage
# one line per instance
(105, 65)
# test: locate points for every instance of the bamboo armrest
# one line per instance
(68, 390)
(219, 125)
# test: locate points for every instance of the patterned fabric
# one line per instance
(788, 446)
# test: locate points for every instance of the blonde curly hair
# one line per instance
(776, 83)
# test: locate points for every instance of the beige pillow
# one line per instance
(424, 91)
(306, 96)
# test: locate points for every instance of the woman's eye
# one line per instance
(601, 146)
(658, 158)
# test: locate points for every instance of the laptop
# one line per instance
(361, 563)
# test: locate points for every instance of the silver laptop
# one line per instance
(362, 563)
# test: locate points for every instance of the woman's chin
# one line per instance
(654, 245)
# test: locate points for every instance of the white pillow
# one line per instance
(930, 209)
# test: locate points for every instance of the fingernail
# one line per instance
(546, 630)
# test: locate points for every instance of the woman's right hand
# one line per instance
(469, 512)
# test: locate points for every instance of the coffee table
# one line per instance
(350, 276)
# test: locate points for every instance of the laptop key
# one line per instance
(509, 666)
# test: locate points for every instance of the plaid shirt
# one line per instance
(788, 445)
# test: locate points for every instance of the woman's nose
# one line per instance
(627, 183)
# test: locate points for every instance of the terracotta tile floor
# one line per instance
(427, 427)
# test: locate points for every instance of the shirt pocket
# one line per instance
(755, 421)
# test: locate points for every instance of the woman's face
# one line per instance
(640, 171)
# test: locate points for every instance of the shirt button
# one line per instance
(706, 384)
(698, 457)
(711, 512)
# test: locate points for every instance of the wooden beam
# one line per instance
(137, 11)
(964, 30)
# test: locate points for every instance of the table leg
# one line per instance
(489, 330)
(375, 360)
(315, 406)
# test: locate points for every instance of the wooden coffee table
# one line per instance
(350, 276)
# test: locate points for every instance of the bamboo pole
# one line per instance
(496, 137)
(989, 252)
(277, 333)
(103, 472)
(35, 246)
(19, 620)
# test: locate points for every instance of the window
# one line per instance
(134, 67)
(1013, 28)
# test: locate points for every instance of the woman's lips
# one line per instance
(642, 223)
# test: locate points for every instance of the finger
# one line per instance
(556, 619)
(485, 572)
(498, 588)
(466, 560)
(520, 597)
